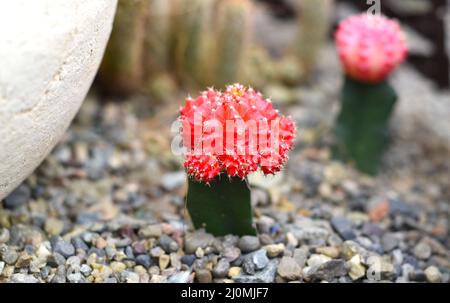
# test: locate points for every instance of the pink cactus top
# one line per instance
(370, 47)
(235, 132)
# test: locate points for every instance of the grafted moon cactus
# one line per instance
(370, 48)
(228, 135)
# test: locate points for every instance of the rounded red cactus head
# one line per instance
(236, 132)
(370, 47)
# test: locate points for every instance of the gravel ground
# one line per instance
(108, 206)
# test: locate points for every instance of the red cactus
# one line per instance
(370, 47)
(236, 132)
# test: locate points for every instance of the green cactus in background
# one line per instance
(233, 31)
(193, 38)
(121, 71)
(314, 26)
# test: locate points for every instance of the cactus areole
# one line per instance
(370, 48)
(228, 135)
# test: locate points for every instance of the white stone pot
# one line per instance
(50, 51)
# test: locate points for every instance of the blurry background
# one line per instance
(114, 175)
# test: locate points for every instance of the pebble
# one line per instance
(188, 259)
(248, 244)
(20, 196)
(221, 269)
(181, 277)
(289, 269)
(23, 278)
(196, 240)
(63, 247)
(78, 243)
(260, 259)
(164, 261)
(267, 275)
(75, 277)
(150, 231)
(9, 256)
(433, 274)
(248, 266)
(357, 270)
(2, 266)
(343, 227)
(231, 253)
(144, 260)
(53, 226)
(203, 276)
(328, 271)
(86, 269)
(422, 251)
(156, 252)
(172, 181)
(328, 251)
(130, 277)
(274, 250)
(301, 255)
(233, 272)
(4, 235)
(389, 241)
(317, 260)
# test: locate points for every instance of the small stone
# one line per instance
(289, 269)
(248, 244)
(422, 251)
(79, 244)
(86, 269)
(301, 255)
(63, 247)
(100, 243)
(357, 270)
(21, 235)
(172, 181)
(267, 275)
(60, 275)
(9, 255)
(199, 253)
(75, 277)
(43, 252)
(274, 250)
(130, 277)
(144, 260)
(23, 278)
(203, 276)
(260, 259)
(343, 227)
(168, 244)
(4, 235)
(188, 259)
(164, 261)
(23, 260)
(317, 260)
(181, 277)
(248, 266)
(231, 253)
(18, 197)
(2, 265)
(196, 240)
(117, 267)
(156, 252)
(433, 274)
(328, 271)
(389, 241)
(150, 231)
(53, 226)
(328, 251)
(221, 269)
(234, 272)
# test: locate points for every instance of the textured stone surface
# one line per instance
(49, 54)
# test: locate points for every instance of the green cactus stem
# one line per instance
(314, 26)
(362, 127)
(122, 67)
(222, 208)
(233, 33)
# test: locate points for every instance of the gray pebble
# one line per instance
(266, 275)
(63, 247)
(23, 278)
(9, 255)
(328, 270)
(203, 276)
(343, 227)
(144, 260)
(289, 269)
(260, 259)
(422, 251)
(18, 197)
(168, 244)
(248, 244)
(221, 268)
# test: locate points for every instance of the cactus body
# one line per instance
(362, 127)
(121, 70)
(223, 207)
(314, 26)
